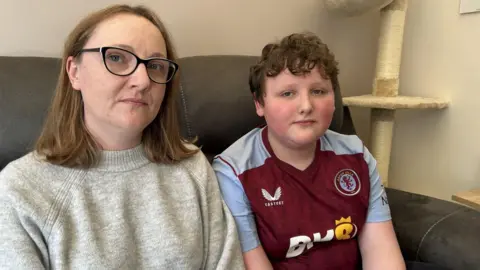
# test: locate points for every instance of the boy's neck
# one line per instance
(299, 158)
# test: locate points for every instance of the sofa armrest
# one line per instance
(436, 231)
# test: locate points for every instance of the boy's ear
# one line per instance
(258, 107)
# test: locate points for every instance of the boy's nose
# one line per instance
(305, 105)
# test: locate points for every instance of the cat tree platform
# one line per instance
(385, 98)
(394, 103)
(383, 119)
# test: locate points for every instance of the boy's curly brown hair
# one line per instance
(300, 53)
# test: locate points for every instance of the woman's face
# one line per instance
(119, 105)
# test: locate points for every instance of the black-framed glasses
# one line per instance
(122, 62)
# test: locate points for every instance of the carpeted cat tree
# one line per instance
(385, 99)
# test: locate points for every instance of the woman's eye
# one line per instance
(114, 57)
(156, 66)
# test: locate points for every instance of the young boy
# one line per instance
(304, 197)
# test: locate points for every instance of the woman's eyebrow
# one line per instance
(130, 48)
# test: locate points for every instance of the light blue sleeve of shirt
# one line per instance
(238, 203)
(378, 209)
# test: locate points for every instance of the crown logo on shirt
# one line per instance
(273, 200)
(343, 220)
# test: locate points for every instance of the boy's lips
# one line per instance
(305, 122)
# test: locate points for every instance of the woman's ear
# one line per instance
(72, 71)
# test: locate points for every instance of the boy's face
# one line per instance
(297, 109)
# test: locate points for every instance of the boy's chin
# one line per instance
(308, 137)
(306, 140)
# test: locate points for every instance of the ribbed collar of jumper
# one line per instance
(123, 160)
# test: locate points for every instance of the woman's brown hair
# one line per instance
(299, 53)
(65, 139)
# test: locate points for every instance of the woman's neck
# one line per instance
(116, 143)
(114, 139)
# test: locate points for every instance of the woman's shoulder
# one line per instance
(196, 165)
(20, 186)
(25, 165)
(197, 160)
(30, 179)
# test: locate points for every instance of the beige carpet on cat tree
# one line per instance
(385, 98)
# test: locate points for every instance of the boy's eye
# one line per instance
(287, 94)
(319, 92)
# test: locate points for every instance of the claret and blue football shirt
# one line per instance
(304, 219)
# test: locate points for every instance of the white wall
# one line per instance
(434, 152)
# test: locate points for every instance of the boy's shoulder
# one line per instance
(248, 152)
(341, 144)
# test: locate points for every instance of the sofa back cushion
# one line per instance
(215, 103)
(26, 88)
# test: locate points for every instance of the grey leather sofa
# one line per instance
(216, 105)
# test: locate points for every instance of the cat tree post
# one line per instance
(385, 99)
(386, 82)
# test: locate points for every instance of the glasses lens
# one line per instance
(120, 62)
(160, 70)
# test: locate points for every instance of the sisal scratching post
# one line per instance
(385, 99)
(381, 140)
(386, 82)
(389, 53)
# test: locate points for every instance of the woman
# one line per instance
(111, 184)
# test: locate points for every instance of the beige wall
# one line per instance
(441, 48)
(437, 153)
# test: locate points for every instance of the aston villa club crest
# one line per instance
(347, 182)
